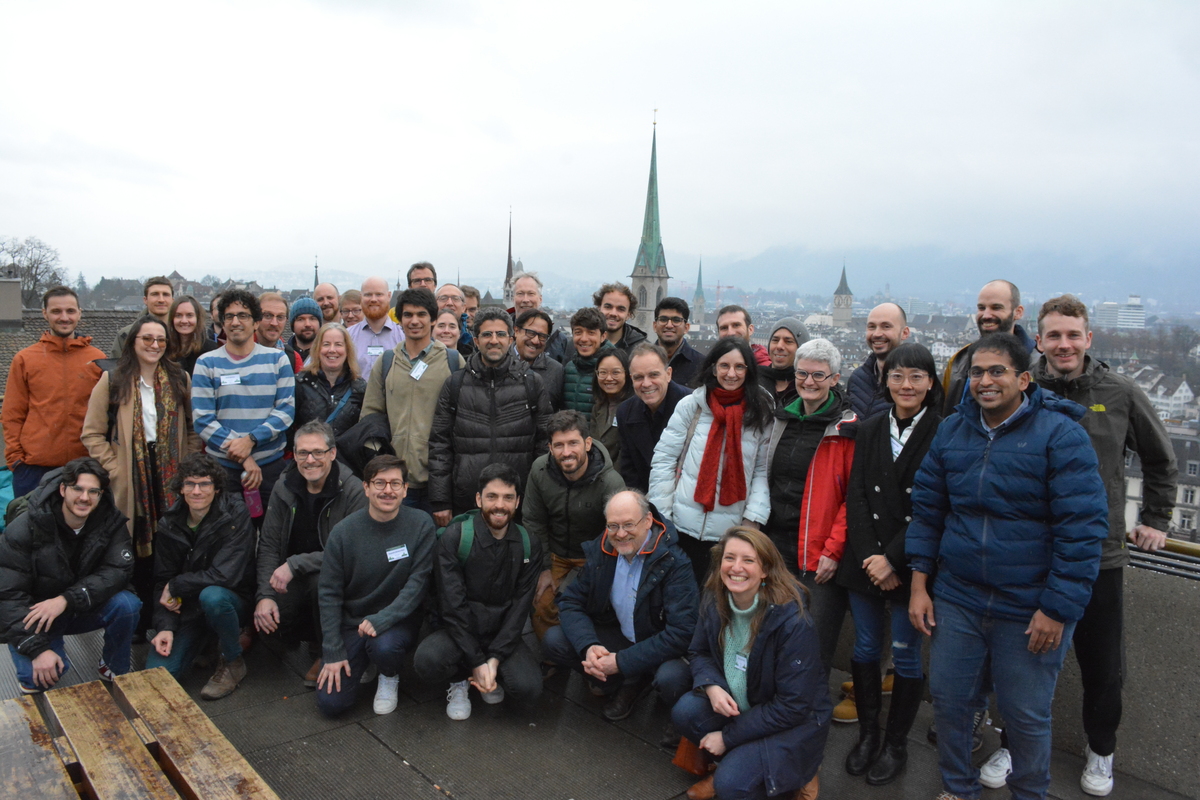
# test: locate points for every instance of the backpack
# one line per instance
(468, 537)
(390, 356)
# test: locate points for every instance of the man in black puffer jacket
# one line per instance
(493, 411)
(64, 566)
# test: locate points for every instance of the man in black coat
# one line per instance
(887, 329)
(64, 567)
(641, 419)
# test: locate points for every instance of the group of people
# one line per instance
(423, 478)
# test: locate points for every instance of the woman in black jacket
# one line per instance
(329, 388)
(889, 450)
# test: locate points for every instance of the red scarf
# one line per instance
(727, 409)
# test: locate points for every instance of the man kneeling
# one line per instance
(627, 619)
(203, 575)
(486, 569)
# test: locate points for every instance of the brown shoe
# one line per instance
(314, 672)
(246, 638)
(702, 789)
(622, 702)
(225, 679)
(810, 789)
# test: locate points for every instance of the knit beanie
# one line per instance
(305, 305)
(794, 326)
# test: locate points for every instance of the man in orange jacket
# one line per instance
(49, 384)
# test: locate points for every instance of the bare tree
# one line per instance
(36, 265)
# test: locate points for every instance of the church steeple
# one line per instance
(843, 302)
(316, 277)
(698, 297)
(508, 274)
(649, 274)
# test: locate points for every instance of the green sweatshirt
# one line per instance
(737, 641)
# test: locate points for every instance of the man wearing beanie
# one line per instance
(779, 377)
(305, 320)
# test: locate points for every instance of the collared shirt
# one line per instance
(624, 592)
(900, 435)
(149, 411)
(1020, 412)
(370, 345)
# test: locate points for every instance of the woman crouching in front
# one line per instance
(761, 704)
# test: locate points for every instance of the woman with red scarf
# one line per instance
(709, 471)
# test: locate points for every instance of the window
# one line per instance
(1187, 520)
(1193, 469)
(1189, 496)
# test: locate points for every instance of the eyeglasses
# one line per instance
(996, 372)
(898, 378)
(530, 333)
(446, 298)
(628, 527)
(665, 320)
(241, 316)
(492, 335)
(273, 317)
(153, 341)
(740, 369)
(92, 493)
(381, 484)
(610, 373)
(802, 375)
(305, 455)
(191, 486)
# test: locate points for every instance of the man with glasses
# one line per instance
(451, 297)
(243, 399)
(377, 333)
(671, 325)
(64, 566)
(629, 616)
(374, 576)
(274, 319)
(1009, 504)
(494, 411)
(422, 275)
(641, 419)
(527, 295)
(887, 329)
(157, 294)
(533, 329)
(314, 494)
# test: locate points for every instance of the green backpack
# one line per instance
(468, 537)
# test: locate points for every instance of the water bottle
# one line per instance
(253, 500)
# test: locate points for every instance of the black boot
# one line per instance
(907, 694)
(868, 695)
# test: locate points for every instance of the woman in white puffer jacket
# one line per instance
(696, 478)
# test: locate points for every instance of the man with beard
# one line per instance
(671, 325)
(564, 506)
(887, 327)
(532, 331)
(305, 319)
(326, 295)
(997, 310)
(779, 378)
(485, 569)
(269, 331)
(616, 304)
(527, 295)
(377, 333)
(641, 419)
(494, 411)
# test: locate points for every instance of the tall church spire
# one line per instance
(697, 317)
(508, 273)
(316, 278)
(649, 274)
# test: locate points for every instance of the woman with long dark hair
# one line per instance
(139, 427)
(888, 451)
(186, 326)
(709, 471)
(761, 705)
(610, 387)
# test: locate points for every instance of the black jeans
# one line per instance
(439, 660)
(1100, 650)
(699, 553)
(300, 611)
(828, 604)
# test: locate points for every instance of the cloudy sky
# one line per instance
(246, 137)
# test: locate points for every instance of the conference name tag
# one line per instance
(397, 553)
(374, 350)
(418, 370)
(231, 380)
(740, 662)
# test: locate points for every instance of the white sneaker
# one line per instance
(493, 697)
(995, 771)
(458, 704)
(387, 692)
(1097, 778)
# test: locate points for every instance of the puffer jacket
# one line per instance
(1013, 523)
(218, 553)
(34, 566)
(867, 397)
(484, 415)
(1119, 416)
(564, 514)
(316, 399)
(577, 381)
(676, 498)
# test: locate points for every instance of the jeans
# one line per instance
(26, 477)
(386, 651)
(418, 497)
(222, 611)
(439, 660)
(1100, 650)
(965, 643)
(671, 679)
(868, 612)
(828, 608)
(118, 617)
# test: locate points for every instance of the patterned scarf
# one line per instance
(728, 408)
(151, 496)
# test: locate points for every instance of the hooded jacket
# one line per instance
(867, 397)
(46, 399)
(1119, 417)
(564, 514)
(1013, 523)
(35, 566)
(664, 613)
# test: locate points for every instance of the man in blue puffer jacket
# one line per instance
(1010, 510)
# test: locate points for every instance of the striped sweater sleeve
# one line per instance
(254, 395)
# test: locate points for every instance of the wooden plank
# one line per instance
(115, 763)
(29, 762)
(191, 749)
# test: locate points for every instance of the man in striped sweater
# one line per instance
(243, 400)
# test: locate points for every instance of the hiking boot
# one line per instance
(387, 694)
(493, 697)
(995, 771)
(1097, 778)
(314, 672)
(622, 702)
(225, 679)
(458, 704)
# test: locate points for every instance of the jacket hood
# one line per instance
(44, 499)
(1094, 371)
(598, 459)
(512, 364)
(65, 343)
(1038, 398)
(662, 536)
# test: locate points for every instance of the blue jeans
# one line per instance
(672, 679)
(868, 611)
(222, 612)
(965, 644)
(26, 477)
(118, 617)
(386, 651)
(418, 498)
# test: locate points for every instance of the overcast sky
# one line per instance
(233, 137)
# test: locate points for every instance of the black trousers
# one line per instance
(300, 611)
(438, 660)
(1100, 650)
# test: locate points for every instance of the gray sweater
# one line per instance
(358, 581)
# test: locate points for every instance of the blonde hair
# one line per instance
(313, 366)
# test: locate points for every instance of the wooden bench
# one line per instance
(148, 741)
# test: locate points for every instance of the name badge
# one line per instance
(374, 350)
(397, 553)
(739, 662)
(231, 380)
(418, 370)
